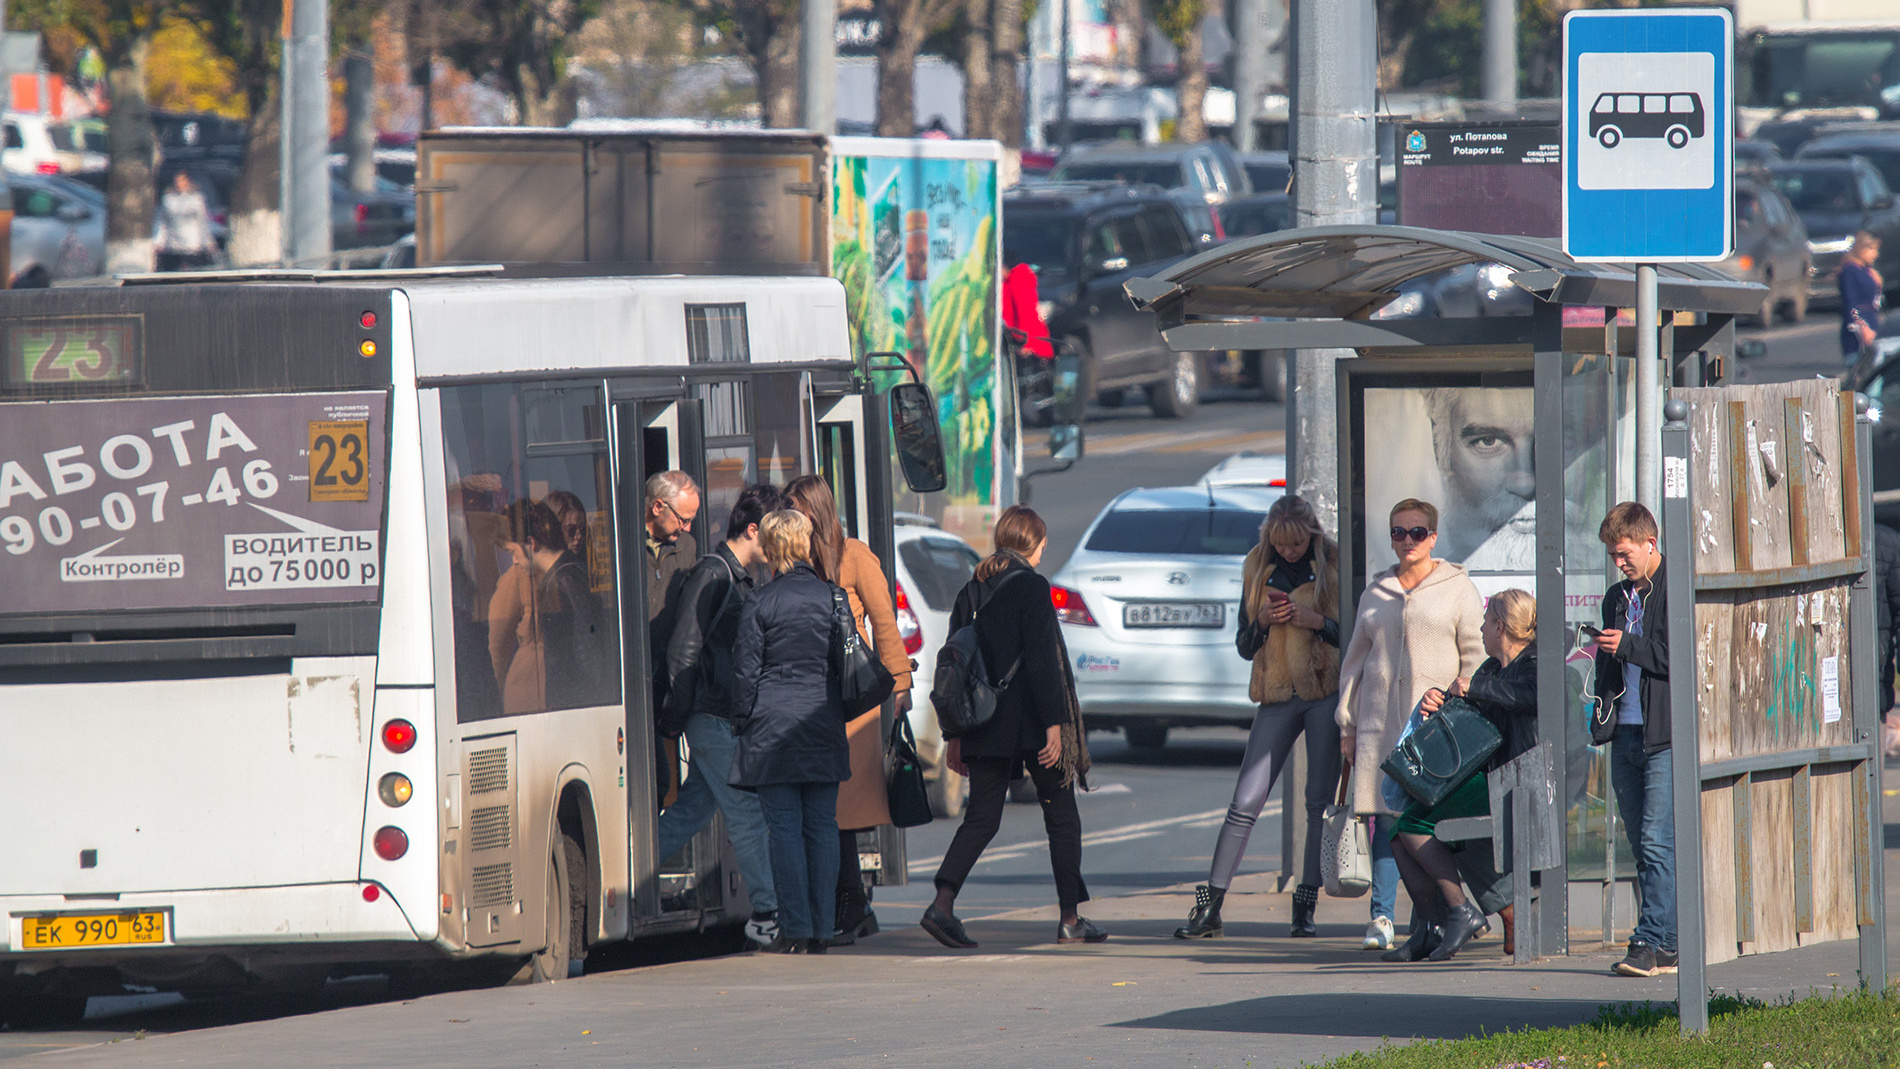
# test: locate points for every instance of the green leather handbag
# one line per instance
(1441, 753)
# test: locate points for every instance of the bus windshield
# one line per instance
(192, 502)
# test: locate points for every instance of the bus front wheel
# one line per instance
(1609, 136)
(1677, 136)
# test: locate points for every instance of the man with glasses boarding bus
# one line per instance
(253, 533)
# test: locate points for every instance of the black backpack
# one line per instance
(961, 689)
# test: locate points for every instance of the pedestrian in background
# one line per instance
(788, 715)
(1037, 726)
(1417, 628)
(1504, 691)
(699, 668)
(1862, 290)
(1632, 715)
(862, 801)
(184, 226)
(1289, 593)
(672, 506)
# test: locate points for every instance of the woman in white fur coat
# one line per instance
(1417, 628)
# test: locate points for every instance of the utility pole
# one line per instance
(1500, 54)
(1335, 181)
(1064, 134)
(1249, 20)
(818, 67)
(306, 151)
(1033, 92)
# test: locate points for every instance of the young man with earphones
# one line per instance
(1632, 715)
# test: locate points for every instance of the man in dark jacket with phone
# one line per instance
(1632, 715)
(698, 671)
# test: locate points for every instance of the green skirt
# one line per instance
(1472, 798)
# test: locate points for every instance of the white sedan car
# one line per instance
(932, 566)
(1149, 603)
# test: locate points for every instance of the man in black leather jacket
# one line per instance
(1887, 601)
(698, 671)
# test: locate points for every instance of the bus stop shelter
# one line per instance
(1520, 427)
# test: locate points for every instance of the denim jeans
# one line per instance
(1645, 801)
(802, 820)
(1385, 868)
(706, 789)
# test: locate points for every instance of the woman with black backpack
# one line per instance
(1036, 726)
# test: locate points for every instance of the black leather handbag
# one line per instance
(862, 678)
(909, 798)
(1442, 752)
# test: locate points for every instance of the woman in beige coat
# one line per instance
(1417, 628)
(861, 799)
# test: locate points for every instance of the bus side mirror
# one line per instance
(919, 441)
(1067, 407)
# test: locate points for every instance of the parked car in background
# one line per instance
(1084, 239)
(1771, 247)
(1877, 143)
(367, 220)
(80, 145)
(29, 144)
(1751, 153)
(1266, 471)
(1148, 603)
(932, 565)
(58, 232)
(1259, 213)
(1197, 176)
(1268, 172)
(1835, 198)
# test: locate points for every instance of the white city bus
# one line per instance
(282, 690)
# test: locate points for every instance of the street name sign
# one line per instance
(1649, 171)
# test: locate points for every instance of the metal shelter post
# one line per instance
(1873, 875)
(1692, 989)
(1648, 390)
(1551, 934)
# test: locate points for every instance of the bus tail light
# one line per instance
(907, 626)
(391, 843)
(395, 789)
(399, 736)
(1070, 608)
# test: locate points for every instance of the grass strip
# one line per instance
(1851, 1029)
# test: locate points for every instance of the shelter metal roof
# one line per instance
(1349, 272)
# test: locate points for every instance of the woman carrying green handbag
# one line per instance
(1504, 690)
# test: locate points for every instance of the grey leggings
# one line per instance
(1268, 746)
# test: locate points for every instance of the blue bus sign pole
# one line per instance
(1649, 177)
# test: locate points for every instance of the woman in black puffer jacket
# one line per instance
(1504, 691)
(788, 717)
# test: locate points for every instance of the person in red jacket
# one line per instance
(1020, 312)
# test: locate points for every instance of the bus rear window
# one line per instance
(192, 502)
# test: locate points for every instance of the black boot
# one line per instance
(1204, 918)
(855, 919)
(1425, 939)
(1463, 924)
(1305, 902)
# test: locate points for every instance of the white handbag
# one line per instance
(1345, 852)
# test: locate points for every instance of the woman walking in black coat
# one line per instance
(788, 717)
(1036, 725)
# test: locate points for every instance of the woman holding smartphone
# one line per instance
(1289, 591)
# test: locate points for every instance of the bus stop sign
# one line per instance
(1649, 173)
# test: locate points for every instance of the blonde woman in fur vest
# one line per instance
(1289, 594)
(1417, 629)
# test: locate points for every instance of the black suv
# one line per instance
(1084, 240)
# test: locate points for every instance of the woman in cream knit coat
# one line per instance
(1417, 628)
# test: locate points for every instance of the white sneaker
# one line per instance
(762, 928)
(1379, 934)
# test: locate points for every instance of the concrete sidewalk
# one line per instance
(1143, 998)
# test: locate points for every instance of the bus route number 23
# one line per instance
(339, 460)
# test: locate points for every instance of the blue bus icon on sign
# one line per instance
(1674, 117)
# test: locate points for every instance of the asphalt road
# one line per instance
(1150, 822)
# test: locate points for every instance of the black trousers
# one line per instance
(983, 815)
